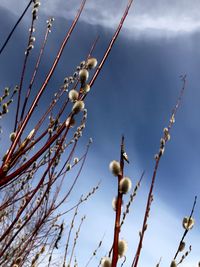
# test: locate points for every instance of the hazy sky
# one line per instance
(134, 95)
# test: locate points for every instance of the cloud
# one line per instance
(165, 17)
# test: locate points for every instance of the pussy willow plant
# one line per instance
(120, 246)
(37, 162)
(35, 169)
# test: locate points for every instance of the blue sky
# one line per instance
(133, 95)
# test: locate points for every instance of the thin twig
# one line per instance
(15, 26)
(186, 230)
(166, 137)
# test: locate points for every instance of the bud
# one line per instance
(6, 91)
(12, 136)
(73, 95)
(78, 106)
(122, 248)
(36, 5)
(5, 106)
(115, 167)
(31, 134)
(76, 160)
(188, 223)
(83, 75)
(32, 39)
(162, 142)
(156, 156)
(181, 246)
(173, 264)
(86, 88)
(5, 167)
(68, 168)
(71, 79)
(161, 151)
(82, 64)
(172, 119)
(91, 63)
(166, 133)
(125, 185)
(114, 203)
(106, 262)
(70, 121)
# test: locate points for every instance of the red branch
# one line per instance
(34, 104)
(118, 209)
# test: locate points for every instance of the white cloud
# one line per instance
(163, 16)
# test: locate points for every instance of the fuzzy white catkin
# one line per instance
(188, 223)
(31, 134)
(115, 167)
(173, 264)
(12, 136)
(86, 88)
(125, 185)
(83, 75)
(70, 121)
(76, 160)
(73, 95)
(106, 262)
(78, 106)
(181, 246)
(92, 63)
(114, 203)
(32, 39)
(122, 248)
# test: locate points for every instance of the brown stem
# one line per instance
(118, 209)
